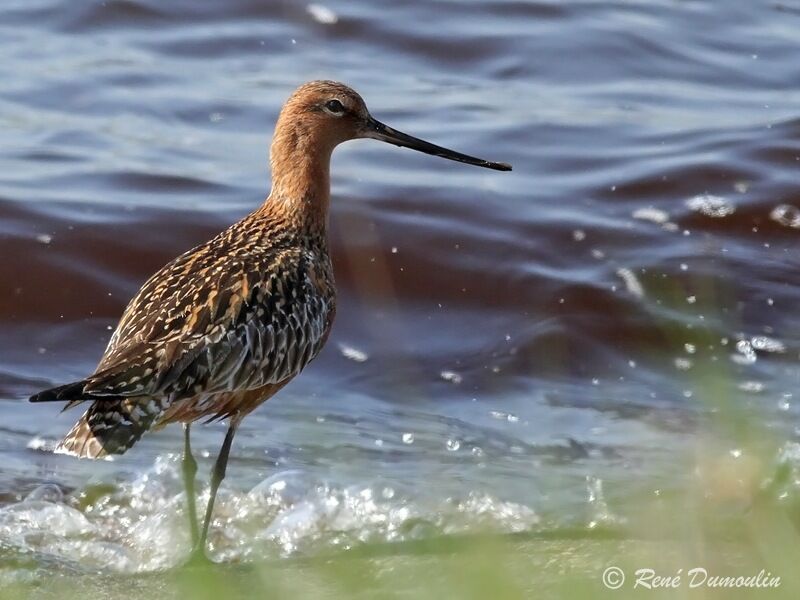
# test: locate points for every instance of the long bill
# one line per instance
(378, 131)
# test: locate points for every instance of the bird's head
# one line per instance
(327, 113)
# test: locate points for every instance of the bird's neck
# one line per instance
(300, 177)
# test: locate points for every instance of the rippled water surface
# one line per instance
(513, 351)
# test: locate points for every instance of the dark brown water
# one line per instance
(512, 351)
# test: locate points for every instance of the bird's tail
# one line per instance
(110, 427)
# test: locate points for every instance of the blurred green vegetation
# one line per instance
(738, 515)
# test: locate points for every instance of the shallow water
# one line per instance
(512, 352)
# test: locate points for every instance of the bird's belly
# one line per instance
(234, 405)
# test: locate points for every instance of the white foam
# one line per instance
(711, 206)
(652, 214)
(322, 14)
(451, 376)
(631, 282)
(767, 344)
(786, 215)
(140, 524)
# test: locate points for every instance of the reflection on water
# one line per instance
(512, 352)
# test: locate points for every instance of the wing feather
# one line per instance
(202, 325)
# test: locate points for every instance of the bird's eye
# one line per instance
(334, 106)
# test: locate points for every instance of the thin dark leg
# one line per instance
(189, 466)
(217, 475)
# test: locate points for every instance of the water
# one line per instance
(513, 352)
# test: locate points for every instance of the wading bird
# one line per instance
(223, 327)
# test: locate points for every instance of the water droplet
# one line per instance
(453, 445)
(631, 282)
(353, 353)
(408, 438)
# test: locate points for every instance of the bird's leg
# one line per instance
(217, 475)
(189, 468)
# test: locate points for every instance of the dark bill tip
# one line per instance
(378, 131)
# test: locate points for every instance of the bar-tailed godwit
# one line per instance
(223, 327)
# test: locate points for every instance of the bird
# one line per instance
(223, 327)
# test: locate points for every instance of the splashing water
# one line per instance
(140, 525)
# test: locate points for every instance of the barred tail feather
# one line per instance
(110, 427)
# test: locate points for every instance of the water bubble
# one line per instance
(683, 364)
(44, 238)
(690, 348)
(691, 299)
(408, 438)
(452, 445)
(579, 235)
